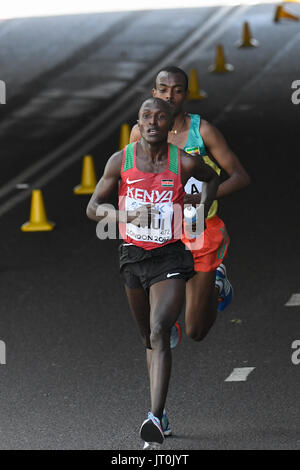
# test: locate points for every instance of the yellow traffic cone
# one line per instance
(282, 14)
(88, 178)
(194, 92)
(247, 40)
(124, 136)
(38, 219)
(220, 65)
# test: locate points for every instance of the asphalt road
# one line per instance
(75, 374)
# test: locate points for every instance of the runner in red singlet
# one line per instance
(154, 262)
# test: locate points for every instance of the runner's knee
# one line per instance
(196, 333)
(159, 337)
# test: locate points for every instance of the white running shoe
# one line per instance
(226, 292)
(151, 431)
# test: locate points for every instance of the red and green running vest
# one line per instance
(164, 190)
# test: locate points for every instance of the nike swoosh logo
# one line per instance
(173, 274)
(133, 181)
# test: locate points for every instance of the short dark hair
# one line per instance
(174, 70)
(162, 103)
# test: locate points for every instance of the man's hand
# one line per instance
(142, 216)
(192, 199)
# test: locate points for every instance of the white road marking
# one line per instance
(239, 374)
(22, 186)
(294, 301)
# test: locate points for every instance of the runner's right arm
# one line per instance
(105, 190)
(99, 205)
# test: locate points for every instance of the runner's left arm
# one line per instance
(226, 158)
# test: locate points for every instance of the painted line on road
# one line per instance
(22, 186)
(294, 301)
(239, 374)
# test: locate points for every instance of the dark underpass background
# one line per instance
(74, 375)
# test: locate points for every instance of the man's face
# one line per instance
(170, 87)
(154, 122)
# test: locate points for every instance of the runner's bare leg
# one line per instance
(201, 304)
(157, 313)
(166, 300)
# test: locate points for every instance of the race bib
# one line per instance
(160, 229)
(193, 186)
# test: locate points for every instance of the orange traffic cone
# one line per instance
(194, 90)
(281, 14)
(124, 136)
(220, 65)
(88, 178)
(247, 40)
(38, 219)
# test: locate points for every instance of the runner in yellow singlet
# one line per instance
(209, 290)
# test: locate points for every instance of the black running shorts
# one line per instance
(141, 268)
